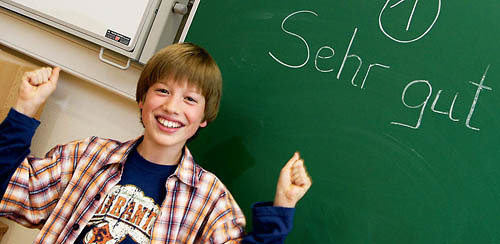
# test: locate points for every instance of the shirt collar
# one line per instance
(120, 153)
(187, 170)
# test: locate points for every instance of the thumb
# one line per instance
(291, 161)
(54, 77)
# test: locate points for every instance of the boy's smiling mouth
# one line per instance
(168, 123)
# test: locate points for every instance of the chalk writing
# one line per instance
(331, 50)
(423, 105)
(327, 52)
(323, 57)
(381, 23)
(450, 113)
(368, 71)
(480, 87)
(412, 12)
(347, 55)
(293, 34)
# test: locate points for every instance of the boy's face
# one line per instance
(172, 112)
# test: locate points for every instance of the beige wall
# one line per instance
(77, 109)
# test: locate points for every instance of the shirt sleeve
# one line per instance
(16, 132)
(31, 186)
(271, 225)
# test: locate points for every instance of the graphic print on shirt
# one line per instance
(125, 211)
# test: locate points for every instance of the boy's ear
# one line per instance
(203, 124)
(141, 104)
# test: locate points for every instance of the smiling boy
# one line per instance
(147, 190)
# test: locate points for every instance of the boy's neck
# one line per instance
(160, 154)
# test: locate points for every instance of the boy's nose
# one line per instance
(171, 106)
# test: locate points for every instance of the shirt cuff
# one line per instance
(23, 119)
(270, 219)
(267, 209)
(20, 125)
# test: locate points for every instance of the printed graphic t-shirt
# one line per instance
(129, 211)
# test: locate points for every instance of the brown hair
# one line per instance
(184, 61)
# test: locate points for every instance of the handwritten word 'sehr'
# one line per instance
(321, 54)
(328, 52)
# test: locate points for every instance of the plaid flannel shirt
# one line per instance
(63, 191)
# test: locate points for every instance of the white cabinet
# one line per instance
(133, 28)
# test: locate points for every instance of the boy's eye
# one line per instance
(162, 90)
(190, 99)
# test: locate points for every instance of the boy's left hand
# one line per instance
(293, 183)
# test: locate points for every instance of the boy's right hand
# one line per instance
(36, 86)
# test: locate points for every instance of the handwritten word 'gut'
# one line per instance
(328, 52)
(423, 105)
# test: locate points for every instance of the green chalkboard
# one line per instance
(394, 106)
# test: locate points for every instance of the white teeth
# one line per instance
(169, 124)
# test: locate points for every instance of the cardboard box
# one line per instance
(10, 78)
(3, 229)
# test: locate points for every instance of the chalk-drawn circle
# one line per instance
(411, 40)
